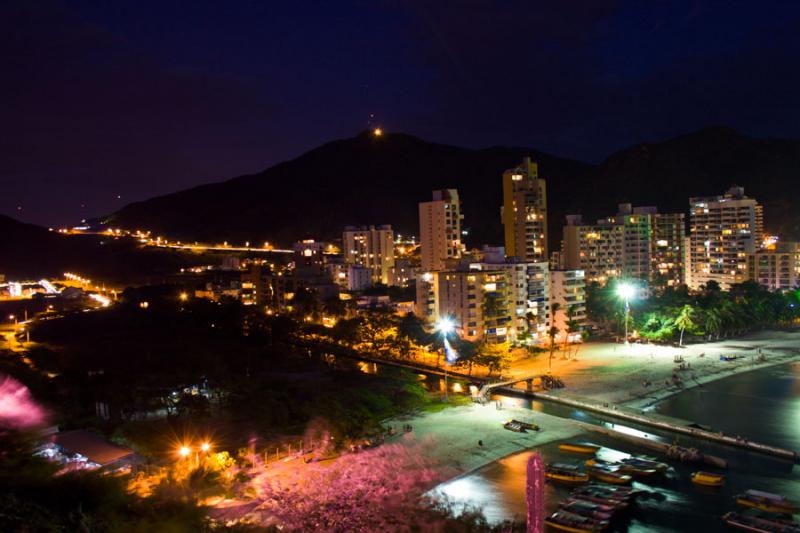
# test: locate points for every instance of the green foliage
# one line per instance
(712, 313)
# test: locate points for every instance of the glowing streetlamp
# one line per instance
(205, 447)
(183, 296)
(184, 451)
(626, 291)
(445, 326)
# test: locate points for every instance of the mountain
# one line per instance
(708, 162)
(361, 180)
(380, 180)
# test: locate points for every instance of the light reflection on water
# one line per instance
(763, 405)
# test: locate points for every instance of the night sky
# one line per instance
(106, 102)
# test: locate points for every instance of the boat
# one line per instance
(588, 509)
(525, 425)
(511, 425)
(609, 475)
(708, 479)
(624, 468)
(565, 473)
(573, 523)
(578, 447)
(646, 462)
(766, 501)
(758, 524)
(605, 492)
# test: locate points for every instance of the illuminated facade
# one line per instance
(440, 229)
(636, 243)
(723, 231)
(776, 268)
(371, 247)
(528, 297)
(524, 213)
(478, 301)
(568, 290)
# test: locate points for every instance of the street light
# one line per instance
(626, 291)
(184, 296)
(445, 326)
(205, 447)
(184, 451)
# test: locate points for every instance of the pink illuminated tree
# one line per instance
(534, 493)
(378, 489)
(18, 410)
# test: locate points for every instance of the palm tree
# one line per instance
(684, 320)
(552, 332)
(571, 326)
(712, 323)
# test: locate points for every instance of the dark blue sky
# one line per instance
(103, 99)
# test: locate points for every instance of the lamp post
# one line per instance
(626, 291)
(445, 326)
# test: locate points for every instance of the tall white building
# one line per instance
(723, 230)
(524, 213)
(777, 268)
(371, 247)
(568, 290)
(440, 229)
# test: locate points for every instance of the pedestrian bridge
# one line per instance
(544, 381)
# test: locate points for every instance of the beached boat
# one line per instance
(511, 425)
(608, 475)
(519, 426)
(708, 479)
(758, 524)
(578, 447)
(766, 501)
(573, 523)
(565, 474)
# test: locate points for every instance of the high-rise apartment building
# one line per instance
(440, 229)
(476, 300)
(568, 291)
(524, 213)
(371, 247)
(723, 231)
(637, 243)
(528, 296)
(777, 268)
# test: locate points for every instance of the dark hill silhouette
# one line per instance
(361, 180)
(380, 180)
(29, 252)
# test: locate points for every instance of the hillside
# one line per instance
(361, 180)
(707, 162)
(378, 180)
(28, 251)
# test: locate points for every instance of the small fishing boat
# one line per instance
(766, 501)
(646, 462)
(757, 524)
(608, 475)
(617, 505)
(708, 479)
(588, 509)
(525, 425)
(565, 473)
(512, 425)
(578, 447)
(573, 523)
(624, 468)
(601, 496)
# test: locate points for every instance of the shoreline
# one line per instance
(603, 382)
